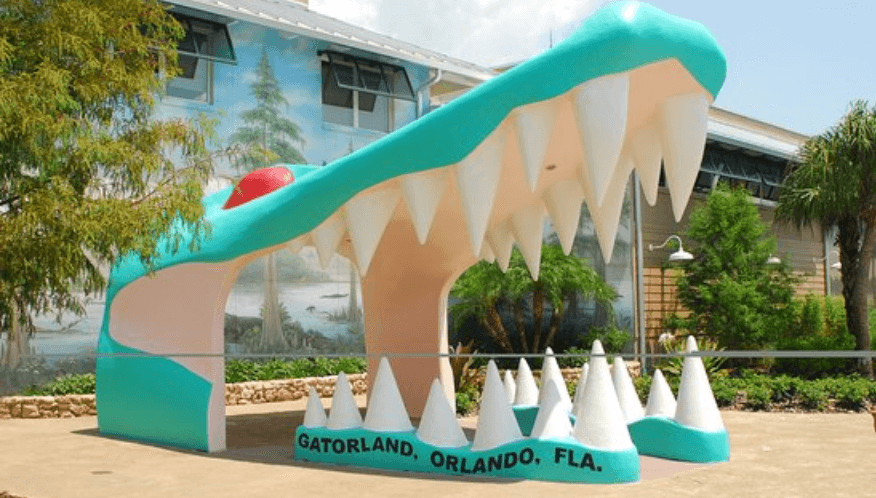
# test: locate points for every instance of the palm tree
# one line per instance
(483, 290)
(835, 185)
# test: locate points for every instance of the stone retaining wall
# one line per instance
(244, 393)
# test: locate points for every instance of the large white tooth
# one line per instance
(551, 374)
(438, 425)
(487, 253)
(535, 124)
(607, 216)
(314, 416)
(367, 217)
(502, 242)
(552, 420)
(603, 425)
(626, 391)
(601, 112)
(661, 402)
(563, 202)
(527, 225)
(344, 413)
(327, 236)
(477, 177)
(422, 193)
(510, 386)
(527, 389)
(696, 403)
(684, 125)
(648, 156)
(386, 409)
(497, 424)
(578, 401)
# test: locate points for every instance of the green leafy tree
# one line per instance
(484, 289)
(86, 174)
(267, 138)
(733, 294)
(834, 184)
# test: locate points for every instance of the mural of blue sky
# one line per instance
(297, 68)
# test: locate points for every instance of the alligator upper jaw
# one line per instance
(545, 158)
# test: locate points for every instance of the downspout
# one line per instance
(424, 88)
(640, 280)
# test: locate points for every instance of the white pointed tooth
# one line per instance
(579, 390)
(386, 409)
(603, 425)
(502, 242)
(661, 402)
(684, 122)
(563, 202)
(314, 416)
(344, 412)
(422, 193)
(510, 386)
(648, 156)
(497, 424)
(477, 177)
(367, 217)
(527, 226)
(551, 374)
(626, 391)
(487, 253)
(607, 216)
(552, 420)
(527, 390)
(438, 425)
(696, 405)
(601, 112)
(535, 124)
(327, 236)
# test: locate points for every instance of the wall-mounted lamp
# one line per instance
(836, 266)
(679, 255)
(773, 260)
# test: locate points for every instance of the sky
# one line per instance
(795, 64)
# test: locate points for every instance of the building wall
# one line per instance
(298, 71)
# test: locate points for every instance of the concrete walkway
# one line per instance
(773, 455)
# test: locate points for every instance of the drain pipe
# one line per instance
(425, 87)
(640, 274)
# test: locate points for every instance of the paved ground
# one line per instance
(773, 455)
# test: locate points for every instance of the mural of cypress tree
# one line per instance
(267, 138)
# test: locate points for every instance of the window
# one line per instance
(205, 42)
(364, 94)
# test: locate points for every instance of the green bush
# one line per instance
(62, 386)
(248, 370)
(819, 325)
(812, 395)
(757, 397)
(467, 399)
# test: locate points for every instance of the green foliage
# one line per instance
(819, 325)
(483, 291)
(835, 185)
(86, 173)
(674, 364)
(67, 384)
(733, 295)
(248, 370)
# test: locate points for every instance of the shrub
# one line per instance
(820, 325)
(67, 384)
(673, 365)
(851, 393)
(757, 397)
(812, 395)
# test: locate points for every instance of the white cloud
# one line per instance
(487, 32)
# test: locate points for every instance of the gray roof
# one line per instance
(293, 17)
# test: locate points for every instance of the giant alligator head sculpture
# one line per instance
(629, 90)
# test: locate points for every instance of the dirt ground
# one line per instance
(780, 455)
